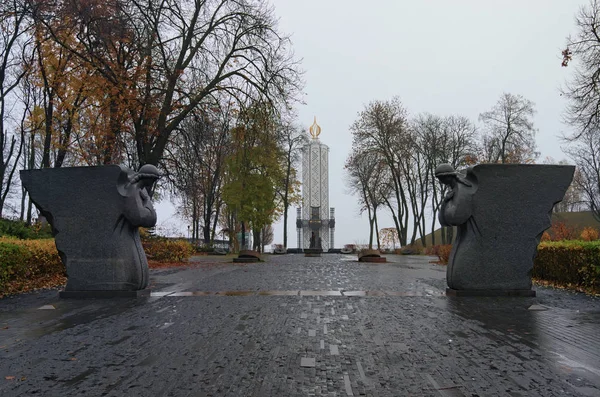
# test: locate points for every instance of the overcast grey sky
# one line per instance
(439, 56)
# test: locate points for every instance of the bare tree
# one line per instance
(368, 178)
(450, 140)
(383, 127)
(293, 139)
(266, 236)
(585, 152)
(163, 59)
(194, 164)
(510, 135)
(583, 111)
(15, 43)
(573, 201)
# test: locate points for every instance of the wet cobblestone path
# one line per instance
(296, 326)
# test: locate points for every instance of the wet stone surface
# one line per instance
(398, 335)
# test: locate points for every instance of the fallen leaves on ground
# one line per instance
(438, 263)
(43, 282)
(196, 265)
(568, 286)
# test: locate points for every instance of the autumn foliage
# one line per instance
(165, 250)
(560, 231)
(589, 234)
(442, 252)
(572, 264)
(29, 264)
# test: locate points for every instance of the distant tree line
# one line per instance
(202, 89)
(394, 156)
(583, 94)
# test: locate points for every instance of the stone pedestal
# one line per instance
(312, 252)
(247, 256)
(370, 255)
(490, 292)
(106, 294)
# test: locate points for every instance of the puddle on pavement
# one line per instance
(355, 293)
(186, 293)
(278, 293)
(236, 293)
(321, 293)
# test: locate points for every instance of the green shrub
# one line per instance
(164, 250)
(572, 262)
(28, 259)
(13, 259)
(21, 230)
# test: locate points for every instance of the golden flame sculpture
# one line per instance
(314, 129)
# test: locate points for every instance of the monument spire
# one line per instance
(315, 129)
(315, 220)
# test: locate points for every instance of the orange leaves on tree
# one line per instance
(560, 231)
(589, 234)
(567, 57)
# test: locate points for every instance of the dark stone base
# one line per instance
(313, 252)
(246, 260)
(249, 254)
(373, 259)
(104, 294)
(490, 292)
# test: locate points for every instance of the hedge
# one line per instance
(30, 264)
(574, 262)
(164, 250)
(21, 230)
(28, 259)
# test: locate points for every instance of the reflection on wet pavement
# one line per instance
(383, 330)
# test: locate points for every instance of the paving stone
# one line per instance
(227, 345)
(333, 350)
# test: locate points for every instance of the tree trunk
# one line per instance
(371, 222)
(433, 229)
(256, 243)
(206, 233)
(395, 218)
(29, 211)
(215, 222)
(376, 228)
(243, 246)
(23, 196)
(194, 217)
(285, 220)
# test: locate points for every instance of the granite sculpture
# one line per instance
(501, 211)
(95, 213)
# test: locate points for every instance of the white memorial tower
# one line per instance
(315, 220)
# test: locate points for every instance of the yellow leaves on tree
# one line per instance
(254, 170)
